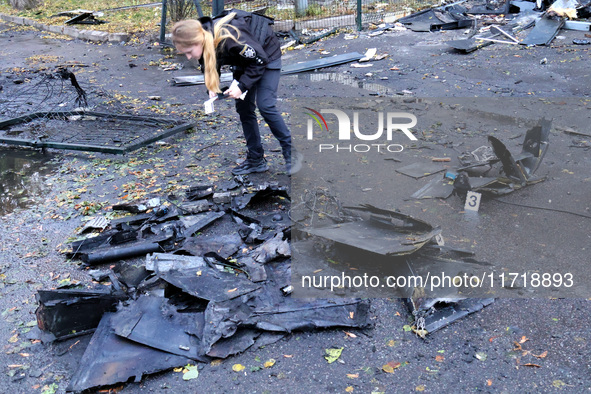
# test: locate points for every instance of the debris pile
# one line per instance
(500, 21)
(367, 237)
(216, 282)
(479, 172)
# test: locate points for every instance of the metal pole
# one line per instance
(198, 7)
(301, 7)
(217, 6)
(163, 22)
(358, 16)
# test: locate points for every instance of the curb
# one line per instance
(90, 35)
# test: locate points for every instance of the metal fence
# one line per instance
(301, 15)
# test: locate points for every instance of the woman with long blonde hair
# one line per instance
(248, 44)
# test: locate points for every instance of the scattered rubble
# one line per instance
(475, 173)
(501, 21)
(194, 297)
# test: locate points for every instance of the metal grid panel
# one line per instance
(54, 110)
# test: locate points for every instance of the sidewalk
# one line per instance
(91, 35)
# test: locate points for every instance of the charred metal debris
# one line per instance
(492, 170)
(208, 274)
(55, 109)
(510, 22)
(216, 281)
(397, 245)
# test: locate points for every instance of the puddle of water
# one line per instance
(22, 177)
(347, 80)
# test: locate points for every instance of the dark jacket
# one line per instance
(249, 57)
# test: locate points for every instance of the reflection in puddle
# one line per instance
(22, 177)
(347, 80)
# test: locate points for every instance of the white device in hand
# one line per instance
(235, 84)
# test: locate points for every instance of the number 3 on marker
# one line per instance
(472, 201)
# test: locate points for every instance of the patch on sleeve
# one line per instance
(248, 52)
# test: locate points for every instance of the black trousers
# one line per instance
(264, 96)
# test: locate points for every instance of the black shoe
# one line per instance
(248, 167)
(293, 164)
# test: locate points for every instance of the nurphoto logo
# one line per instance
(348, 131)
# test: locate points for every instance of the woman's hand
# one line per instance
(233, 92)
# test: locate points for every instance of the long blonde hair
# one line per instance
(189, 32)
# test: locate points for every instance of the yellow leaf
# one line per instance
(351, 315)
(391, 366)
(349, 389)
(238, 367)
(269, 363)
(420, 387)
(352, 375)
(13, 338)
(216, 362)
(179, 369)
(333, 354)
(391, 343)
(558, 384)
(198, 273)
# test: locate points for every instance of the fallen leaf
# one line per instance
(269, 363)
(532, 365)
(288, 355)
(523, 339)
(439, 358)
(349, 389)
(179, 369)
(407, 328)
(352, 375)
(333, 354)
(543, 355)
(317, 271)
(216, 362)
(13, 338)
(391, 343)
(351, 315)
(397, 314)
(420, 387)
(350, 334)
(491, 338)
(49, 389)
(238, 367)
(558, 383)
(489, 382)
(391, 366)
(192, 372)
